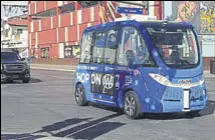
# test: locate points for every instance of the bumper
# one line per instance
(15, 76)
(176, 100)
(195, 98)
(175, 106)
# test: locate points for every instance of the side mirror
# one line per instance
(23, 59)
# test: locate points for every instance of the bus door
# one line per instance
(133, 61)
(103, 59)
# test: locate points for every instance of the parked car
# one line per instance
(13, 67)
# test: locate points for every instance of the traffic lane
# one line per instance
(46, 106)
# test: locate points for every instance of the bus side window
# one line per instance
(132, 49)
(125, 52)
(98, 47)
(86, 48)
(111, 46)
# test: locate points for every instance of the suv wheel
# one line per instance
(132, 107)
(26, 80)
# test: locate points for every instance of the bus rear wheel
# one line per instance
(80, 98)
(131, 105)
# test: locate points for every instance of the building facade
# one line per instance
(14, 34)
(55, 27)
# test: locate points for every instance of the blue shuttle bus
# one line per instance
(150, 66)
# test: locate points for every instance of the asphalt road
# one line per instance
(45, 107)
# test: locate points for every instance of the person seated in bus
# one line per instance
(175, 56)
(130, 57)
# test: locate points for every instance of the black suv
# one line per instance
(13, 67)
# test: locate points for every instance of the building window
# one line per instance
(76, 51)
(44, 52)
(67, 8)
(7, 32)
(67, 51)
(47, 13)
(72, 51)
(19, 31)
(86, 4)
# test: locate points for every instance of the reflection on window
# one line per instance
(132, 49)
(86, 48)
(98, 49)
(178, 48)
(110, 50)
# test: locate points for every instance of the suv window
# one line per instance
(9, 56)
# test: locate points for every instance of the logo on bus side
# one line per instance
(83, 77)
(102, 83)
(108, 81)
(96, 79)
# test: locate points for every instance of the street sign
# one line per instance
(127, 10)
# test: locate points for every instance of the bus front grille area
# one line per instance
(173, 99)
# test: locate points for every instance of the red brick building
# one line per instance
(55, 27)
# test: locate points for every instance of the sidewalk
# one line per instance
(72, 68)
(53, 67)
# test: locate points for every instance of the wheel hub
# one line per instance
(130, 105)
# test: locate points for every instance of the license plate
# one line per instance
(186, 99)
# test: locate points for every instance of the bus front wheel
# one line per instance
(80, 98)
(131, 105)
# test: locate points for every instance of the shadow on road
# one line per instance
(108, 108)
(89, 130)
(210, 108)
(26, 136)
(32, 80)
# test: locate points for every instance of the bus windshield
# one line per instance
(177, 47)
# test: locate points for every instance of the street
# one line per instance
(45, 107)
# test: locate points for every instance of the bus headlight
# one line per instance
(201, 81)
(2, 66)
(160, 79)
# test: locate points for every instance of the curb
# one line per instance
(72, 70)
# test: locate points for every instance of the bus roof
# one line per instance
(153, 23)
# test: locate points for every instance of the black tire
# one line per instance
(80, 97)
(26, 80)
(132, 107)
(193, 113)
